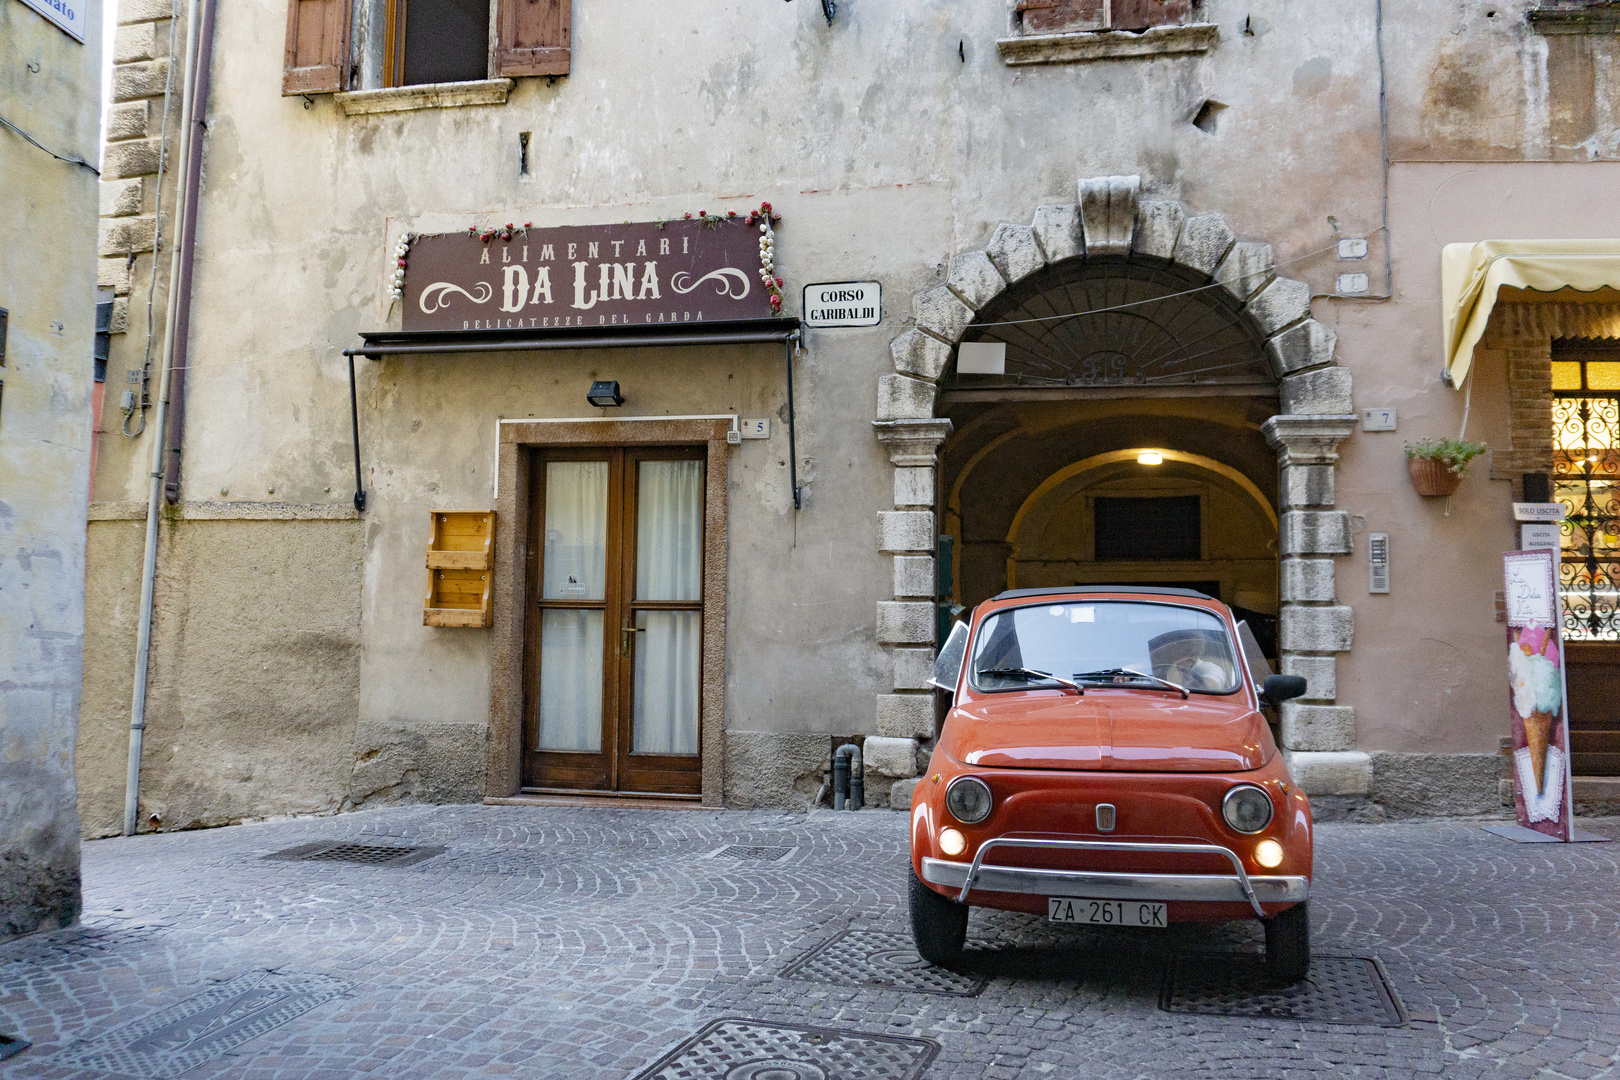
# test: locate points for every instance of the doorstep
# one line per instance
(617, 802)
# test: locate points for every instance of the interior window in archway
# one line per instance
(1118, 322)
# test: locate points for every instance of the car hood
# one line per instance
(1119, 730)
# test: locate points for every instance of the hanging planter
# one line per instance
(1437, 466)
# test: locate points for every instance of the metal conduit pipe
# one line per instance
(849, 778)
(143, 626)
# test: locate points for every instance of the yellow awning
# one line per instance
(1471, 274)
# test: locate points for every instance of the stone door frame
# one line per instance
(1317, 414)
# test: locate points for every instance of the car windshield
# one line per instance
(1105, 643)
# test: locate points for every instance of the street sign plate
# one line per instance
(843, 303)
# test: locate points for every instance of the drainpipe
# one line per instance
(191, 177)
(143, 627)
(849, 778)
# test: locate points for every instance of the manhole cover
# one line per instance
(754, 852)
(887, 961)
(202, 1027)
(12, 1045)
(1338, 990)
(755, 1050)
(370, 854)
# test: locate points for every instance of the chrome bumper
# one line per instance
(1237, 886)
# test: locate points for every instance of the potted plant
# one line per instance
(1437, 466)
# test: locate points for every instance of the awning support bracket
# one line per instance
(793, 456)
(354, 417)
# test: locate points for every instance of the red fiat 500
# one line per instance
(1105, 761)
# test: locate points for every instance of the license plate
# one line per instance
(1105, 912)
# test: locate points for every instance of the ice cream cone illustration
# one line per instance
(1538, 734)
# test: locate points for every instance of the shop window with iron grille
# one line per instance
(1586, 479)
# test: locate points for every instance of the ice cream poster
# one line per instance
(1541, 790)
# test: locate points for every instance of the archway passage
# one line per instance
(1120, 444)
(1057, 493)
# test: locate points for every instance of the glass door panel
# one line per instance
(571, 681)
(669, 530)
(576, 518)
(666, 682)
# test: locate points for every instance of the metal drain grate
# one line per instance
(754, 852)
(1338, 990)
(369, 854)
(754, 1050)
(202, 1027)
(876, 959)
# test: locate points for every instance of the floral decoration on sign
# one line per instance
(765, 218)
(505, 232)
(402, 251)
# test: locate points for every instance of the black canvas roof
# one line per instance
(1155, 590)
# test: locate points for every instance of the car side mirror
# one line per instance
(1281, 688)
(948, 664)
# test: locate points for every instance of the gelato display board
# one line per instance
(1541, 776)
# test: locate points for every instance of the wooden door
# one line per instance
(616, 620)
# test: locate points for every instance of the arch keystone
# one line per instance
(1108, 213)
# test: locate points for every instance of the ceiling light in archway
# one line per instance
(1150, 457)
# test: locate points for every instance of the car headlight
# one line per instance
(968, 799)
(1247, 808)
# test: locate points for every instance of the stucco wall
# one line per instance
(49, 87)
(254, 683)
(889, 142)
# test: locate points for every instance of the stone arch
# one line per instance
(1109, 218)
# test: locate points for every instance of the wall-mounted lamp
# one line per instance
(604, 394)
(1150, 457)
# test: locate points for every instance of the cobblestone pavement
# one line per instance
(585, 942)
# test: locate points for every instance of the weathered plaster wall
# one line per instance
(253, 695)
(49, 87)
(888, 142)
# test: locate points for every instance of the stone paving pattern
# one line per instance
(587, 942)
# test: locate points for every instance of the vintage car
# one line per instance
(1105, 761)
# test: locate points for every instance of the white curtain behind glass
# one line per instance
(669, 566)
(575, 568)
(576, 530)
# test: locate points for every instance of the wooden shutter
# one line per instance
(534, 37)
(317, 47)
(1057, 16)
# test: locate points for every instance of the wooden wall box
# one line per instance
(460, 568)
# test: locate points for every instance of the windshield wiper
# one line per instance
(1031, 673)
(1121, 672)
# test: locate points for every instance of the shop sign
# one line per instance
(585, 276)
(843, 303)
(67, 14)
(1536, 693)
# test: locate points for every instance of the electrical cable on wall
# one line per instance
(8, 125)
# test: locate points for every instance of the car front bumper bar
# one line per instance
(1238, 886)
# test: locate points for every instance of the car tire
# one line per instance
(938, 925)
(1288, 945)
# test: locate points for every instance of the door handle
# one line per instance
(627, 635)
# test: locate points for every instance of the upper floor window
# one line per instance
(1064, 16)
(425, 41)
